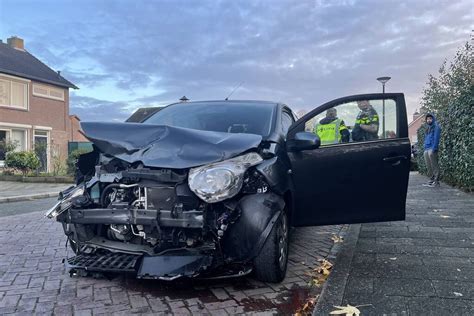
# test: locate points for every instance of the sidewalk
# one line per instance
(421, 266)
(11, 191)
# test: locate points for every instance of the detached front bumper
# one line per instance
(144, 267)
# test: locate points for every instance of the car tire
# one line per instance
(271, 263)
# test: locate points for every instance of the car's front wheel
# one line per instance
(270, 265)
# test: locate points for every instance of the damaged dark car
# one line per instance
(209, 189)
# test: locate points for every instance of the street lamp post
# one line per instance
(383, 81)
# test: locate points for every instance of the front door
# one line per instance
(41, 149)
(360, 171)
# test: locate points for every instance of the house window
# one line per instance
(3, 141)
(13, 93)
(18, 137)
(48, 92)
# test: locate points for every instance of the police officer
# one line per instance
(366, 126)
(331, 130)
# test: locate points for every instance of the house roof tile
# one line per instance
(23, 64)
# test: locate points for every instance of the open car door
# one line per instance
(359, 172)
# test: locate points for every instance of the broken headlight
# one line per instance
(222, 180)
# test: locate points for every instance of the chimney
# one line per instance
(416, 115)
(16, 42)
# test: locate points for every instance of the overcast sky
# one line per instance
(127, 54)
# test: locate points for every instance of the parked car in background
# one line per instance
(210, 188)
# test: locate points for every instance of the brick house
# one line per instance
(75, 135)
(34, 104)
(414, 126)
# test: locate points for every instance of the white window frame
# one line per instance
(26, 82)
(49, 89)
(9, 130)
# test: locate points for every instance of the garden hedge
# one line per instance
(450, 97)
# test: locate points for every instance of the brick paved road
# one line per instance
(33, 279)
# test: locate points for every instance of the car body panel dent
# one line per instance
(167, 146)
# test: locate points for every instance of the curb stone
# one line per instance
(333, 290)
(28, 197)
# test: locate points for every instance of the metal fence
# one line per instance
(78, 145)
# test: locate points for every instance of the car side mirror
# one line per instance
(303, 141)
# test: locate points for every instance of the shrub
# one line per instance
(7, 146)
(72, 159)
(23, 161)
(450, 96)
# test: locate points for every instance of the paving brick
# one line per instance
(36, 282)
(22, 279)
(258, 291)
(10, 301)
(119, 297)
(220, 294)
(218, 312)
(26, 305)
(63, 310)
(196, 309)
(157, 305)
(176, 304)
(220, 305)
(83, 312)
(84, 291)
(101, 294)
(137, 301)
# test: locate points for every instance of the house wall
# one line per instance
(413, 129)
(42, 114)
(76, 136)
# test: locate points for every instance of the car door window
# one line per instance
(286, 121)
(355, 121)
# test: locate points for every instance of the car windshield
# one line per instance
(226, 116)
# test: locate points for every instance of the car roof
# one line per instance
(253, 102)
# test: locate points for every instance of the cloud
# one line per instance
(91, 109)
(125, 54)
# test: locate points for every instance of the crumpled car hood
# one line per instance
(166, 146)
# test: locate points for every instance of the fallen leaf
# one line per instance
(320, 273)
(325, 263)
(457, 293)
(307, 307)
(347, 310)
(337, 239)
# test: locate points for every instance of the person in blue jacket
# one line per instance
(432, 136)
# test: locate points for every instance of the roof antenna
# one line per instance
(240, 84)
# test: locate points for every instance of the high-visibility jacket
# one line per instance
(368, 117)
(330, 133)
